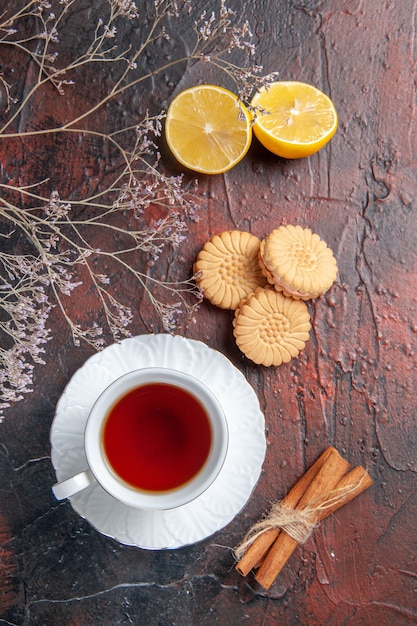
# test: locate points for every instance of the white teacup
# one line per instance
(156, 438)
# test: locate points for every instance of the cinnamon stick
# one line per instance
(351, 485)
(323, 502)
(324, 482)
(254, 555)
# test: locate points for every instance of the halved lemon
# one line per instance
(294, 119)
(208, 129)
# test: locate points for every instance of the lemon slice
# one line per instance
(294, 119)
(207, 129)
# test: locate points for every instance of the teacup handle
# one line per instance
(72, 485)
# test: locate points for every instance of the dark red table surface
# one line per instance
(352, 387)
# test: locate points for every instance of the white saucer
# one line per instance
(157, 530)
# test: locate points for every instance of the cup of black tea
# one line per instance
(156, 438)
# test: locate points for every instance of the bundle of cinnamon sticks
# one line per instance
(323, 489)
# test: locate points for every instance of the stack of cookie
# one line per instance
(267, 283)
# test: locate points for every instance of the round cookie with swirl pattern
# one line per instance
(270, 328)
(227, 268)
(297, 262)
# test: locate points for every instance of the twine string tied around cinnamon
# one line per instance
(294, 522)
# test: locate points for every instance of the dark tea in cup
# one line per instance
(157, 437)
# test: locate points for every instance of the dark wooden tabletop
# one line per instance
(354, 385)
